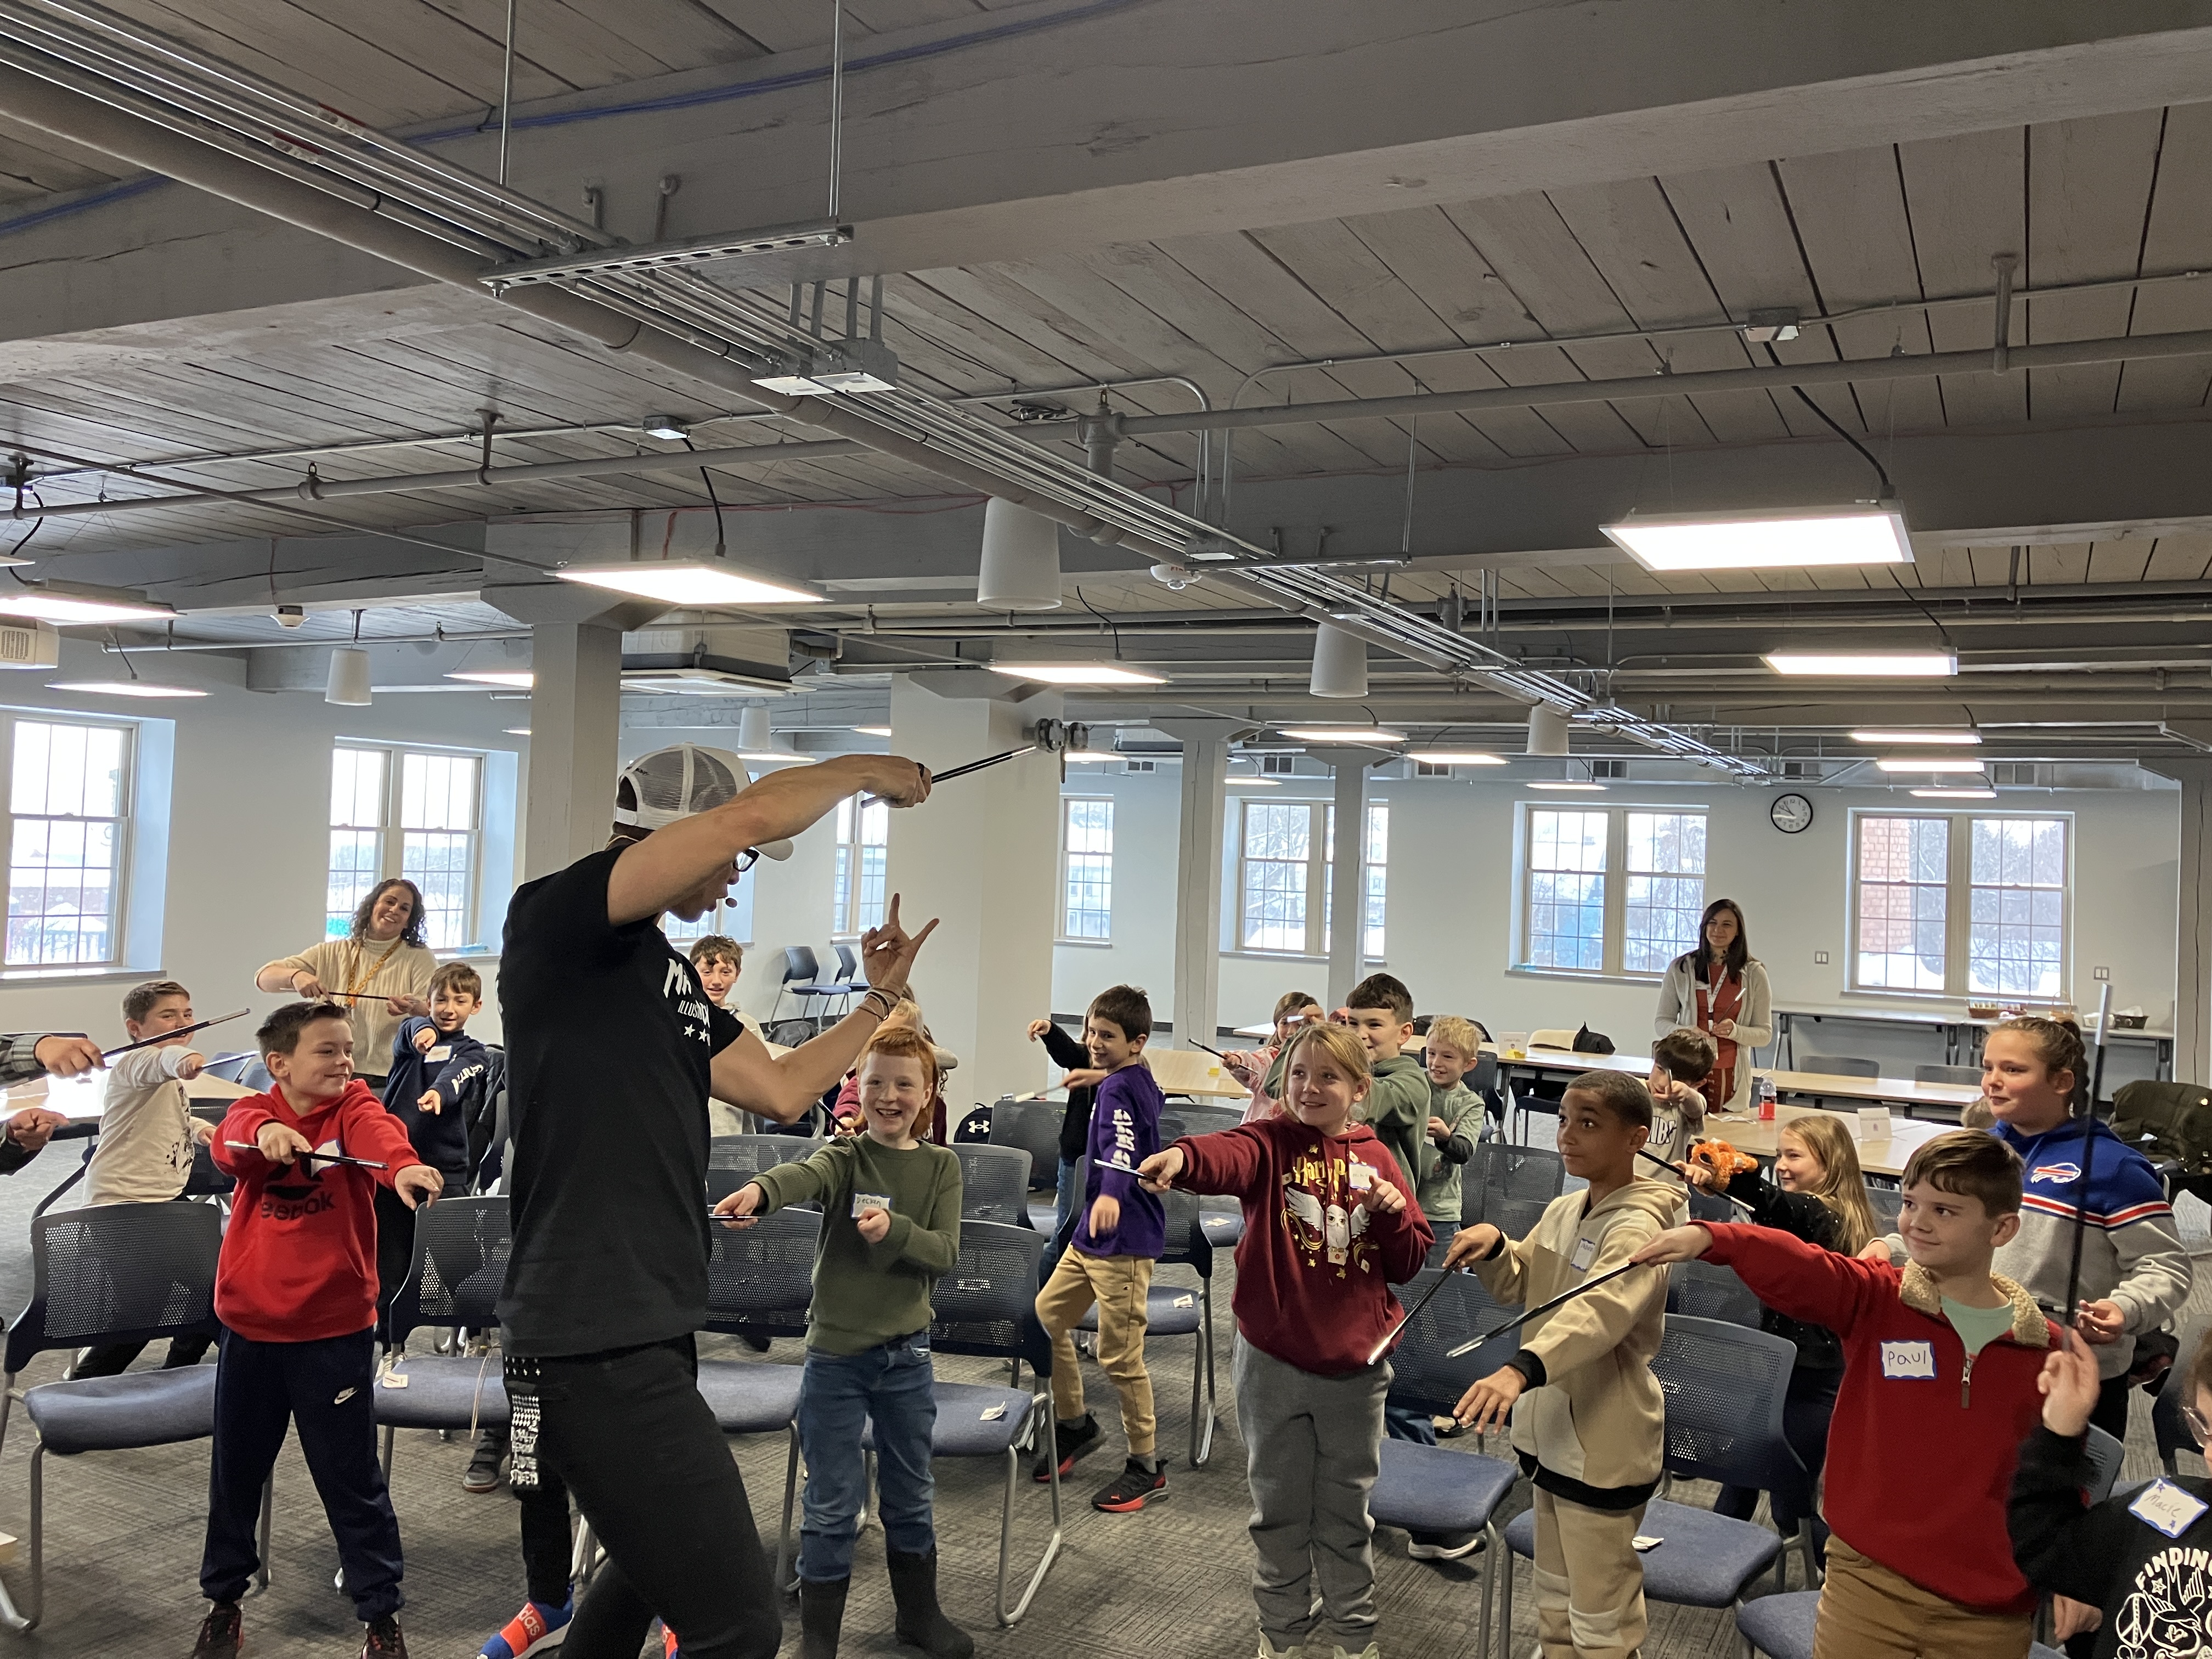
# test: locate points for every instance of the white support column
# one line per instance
(2192, 978)
(982, 855)
(1198, 890)
(1347, 897)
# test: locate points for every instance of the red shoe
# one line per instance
(222, 1632)
(1132, 1488)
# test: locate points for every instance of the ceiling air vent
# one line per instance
(2018, 774)
(1609, 769)
(1800, 771)
(1429, 769)
(1278, 765)
(29, 645)
(1140, 766)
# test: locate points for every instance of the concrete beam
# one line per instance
(977, 142)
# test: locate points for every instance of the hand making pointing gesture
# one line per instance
(887, 952)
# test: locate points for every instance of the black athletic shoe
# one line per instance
(754, 1341)
(382, 1640)
(1132, 1488)
(483, 1471)
(1071, 1441)
(222, 1632)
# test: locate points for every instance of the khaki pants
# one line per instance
(1868, 1611)
(1589, 1580)
(1118, 1284)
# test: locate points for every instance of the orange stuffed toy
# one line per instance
(1721, 1158)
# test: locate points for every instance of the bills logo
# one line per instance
(2056, 1172)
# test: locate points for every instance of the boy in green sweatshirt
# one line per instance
(891, 1228)
(1381, 1010)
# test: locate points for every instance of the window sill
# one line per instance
(78, 976)
(1087, 944)
(1297, 956)
(1522, 970)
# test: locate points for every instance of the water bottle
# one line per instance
(1763, 1089)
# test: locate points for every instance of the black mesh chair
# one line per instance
(732, 1160)
(1724, 1387)
(1706, 1290)
(1033, 1127)
(1223, 1218)
(1840, 1065)
(1884, 1202)
(1968, 1076)
(1199, 1120)
(1523, 1172)
(2168, 1426)
(461, 1248)
(760, 1280)
(994, 1183)
(121, 1273)
(1436, 1488)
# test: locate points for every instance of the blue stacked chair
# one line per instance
(760, 1280)
(453, 1279)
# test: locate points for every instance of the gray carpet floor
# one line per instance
(124, 1533)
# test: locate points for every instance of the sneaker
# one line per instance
(1372, 1650)
(222, 1631)
(1132, 1488)
(381, 1639)
(534, 1629)
(1447, 1428)
(1071, 1441)
(1269, 1651)
(483, 1475)
(669, 1647)
(1442, 1546)
(754, 1341)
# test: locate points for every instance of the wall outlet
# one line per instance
(2103, 972)
(1819, 958)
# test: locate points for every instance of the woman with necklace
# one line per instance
(1718, 988)
(381, 971)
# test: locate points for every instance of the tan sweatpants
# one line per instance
(1589, 1580)
(1868, 1611)
(1118, 1284)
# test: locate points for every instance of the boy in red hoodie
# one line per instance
(1330, 1226)
(1941, 1363)
(295, 1290)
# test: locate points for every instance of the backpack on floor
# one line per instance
(2169, 1123)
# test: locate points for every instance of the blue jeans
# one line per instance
(1404, 1423)
(1070, 1195)
(891, 1384)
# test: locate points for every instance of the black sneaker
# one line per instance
(382, 1640)
(1072, 1441)
(754, 1341)
(483, 1473)
(222, 1632)
(1443, 1545)
(1132, 1488)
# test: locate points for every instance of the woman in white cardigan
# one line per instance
(1720, 990)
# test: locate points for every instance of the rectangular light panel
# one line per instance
(689, 581)
(1865, 664)
(1962, 739)
(1077, 673)
(1799, 539)
(1926, 763)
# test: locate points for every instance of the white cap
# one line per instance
(658, 789)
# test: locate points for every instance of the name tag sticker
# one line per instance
(1363, 1175)
(440, 1054)
(1908, 1360)
(2169, 1508)
(868, 1202)
(1585, 1252)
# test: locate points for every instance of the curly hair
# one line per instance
(412, 933)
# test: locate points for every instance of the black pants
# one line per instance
(629, 1434)
(326, 1387)
(1805, 1409)
(2112, 1409)
(395, 1247)
(115, 1359)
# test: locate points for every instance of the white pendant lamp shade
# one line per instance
(1339, 663)
(753, 733)
(348, 681)
(1547, 729)
(1021, 559)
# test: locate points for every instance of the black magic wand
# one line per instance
(2089, 1151)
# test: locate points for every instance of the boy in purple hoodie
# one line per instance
(1117, 1236)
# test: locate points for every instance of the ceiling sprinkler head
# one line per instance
(291, 616)
(1176, 576)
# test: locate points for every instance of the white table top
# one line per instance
(1903, 1091)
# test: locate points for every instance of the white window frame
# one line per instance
(848, 914)
(1319, 868)
(1068, 805)
(119, 948)
(391, 835)
(1613, 878)
(1958, 887)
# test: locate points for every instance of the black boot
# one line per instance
(920, 1620)
(821, 1615)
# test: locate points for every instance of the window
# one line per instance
(67, 803)
(1086, 869)
(1966, 906)
(434, 801)
(863, 844)
(1611, 890)
(1286, 877)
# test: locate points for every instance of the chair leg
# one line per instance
(391, 1434)
(268, 1524)
(1494, 1548)
(783, 1534)
(1008, 1620)
(867, 1490)
(35, 1607)
(8, 1396)
(583, 1560)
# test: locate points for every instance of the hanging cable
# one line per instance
(1888, 490)
(721, 545)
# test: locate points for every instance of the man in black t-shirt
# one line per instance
(612, 1049)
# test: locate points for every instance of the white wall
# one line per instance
(249, 828)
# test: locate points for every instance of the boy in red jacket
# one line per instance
(1941, 1362)
(295, 1289)
(1330, 1226)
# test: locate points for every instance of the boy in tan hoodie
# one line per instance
(1589, 1419)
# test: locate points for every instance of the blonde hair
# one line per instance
(1457, 1034)
(1338, 1043)
(1843, 1185)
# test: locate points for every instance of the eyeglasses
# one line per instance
(2197, 1424)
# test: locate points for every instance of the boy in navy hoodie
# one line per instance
(295, 1292)
(438, 1077)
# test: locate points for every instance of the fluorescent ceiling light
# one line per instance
(689, 581)
(516, 730)
(1770, 539)
(1257, 783)
(1579, 788)
(1956, 794)
(1077, 673)
(515, 679)
(54, 607)
(766, 756)
(873, 731)
(1866, 665)
(698, 682)
(1457, 757)
(1370, 734)
(1925, 763)
(1956, 737)
(1092, 755)
(667, 428)
(127, 688)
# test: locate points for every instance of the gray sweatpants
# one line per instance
(1312, 1447)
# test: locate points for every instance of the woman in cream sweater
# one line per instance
(381, 971)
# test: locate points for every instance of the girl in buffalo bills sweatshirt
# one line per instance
(295, 1290)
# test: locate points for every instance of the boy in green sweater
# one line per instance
(1381, 1010)
(891, 1228)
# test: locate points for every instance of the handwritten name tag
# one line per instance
(1908, 1360)
(1585, 1252)
(2168, 1507)
(1363, 1175)
(862, 1201)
